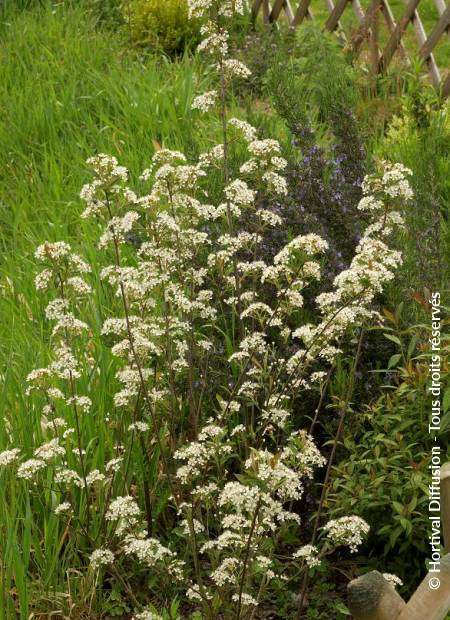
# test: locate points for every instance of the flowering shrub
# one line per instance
(209, 367)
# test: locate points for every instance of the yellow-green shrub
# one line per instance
(160, 24)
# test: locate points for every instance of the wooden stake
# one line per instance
(371, 597)
(445, 504)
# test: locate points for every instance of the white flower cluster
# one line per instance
(58, 258)
(125, 511)
(205, 101)
(226, 8)
(347, 531)
(7, 457)
(393, 579)
(372, 267)
(281, 480)
(62, 508)
(147, 615)
(108, 174)
(308, 553)
(28, 469)
(148, 551)
(196, 455)
(101, 557)
(215, 42)
(197, 8)
(64, 272)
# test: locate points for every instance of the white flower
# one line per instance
(196, 524)
(393, 579)
(101, 557)
(276, 183)
(269, 217)
(61, 508)
(281, 480)
(78, 285)
(84, 403)
(149, 551)
(310, 244)
(68, 476)
(30, 468)
(239, 192)
(126, 512)
(56, 309)
(245, 128)
(147, 614)
(43, 279)
(52, 251)
(49, 451)
(213, 156)
(228, 8)
(94, 476)
(139, 426)
(246, 599)
(193, 595)
(107, 168)
(122, 508)
(9, 456)
(215, 41)
(113, 465)
(197, 8)
(205, 102)
(308, 553)
(240, 428)
(236, 68)
(347, 531)
(264, 148)
(227, 572)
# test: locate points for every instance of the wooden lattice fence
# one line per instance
(377, 14)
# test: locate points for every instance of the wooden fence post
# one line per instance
(371, 597)
(445, 504)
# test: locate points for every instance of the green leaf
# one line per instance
(395, 534)
(446, 400)
(412, 345)
(394, 360)
(393, 338)
(342, 608)
(398, 507)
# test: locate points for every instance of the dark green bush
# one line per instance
(383, 472)
(329, 162)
